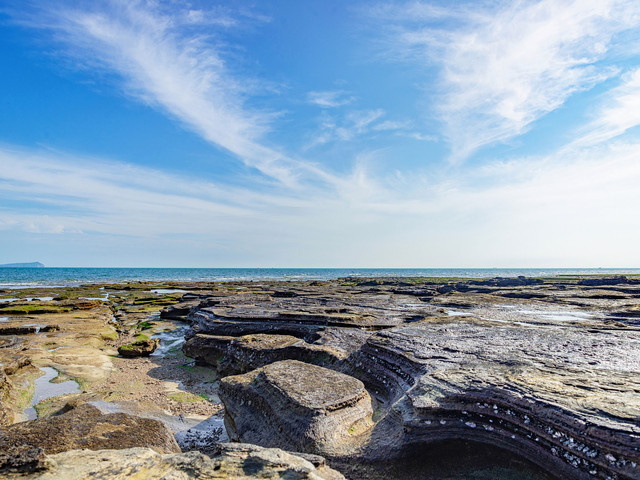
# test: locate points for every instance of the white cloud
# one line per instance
(619, 113)
(84, 194)
(165, 62)
(330, 99)
(348, 126)
(503, 66)
(421, 136)
(391, 125)
(573, 208)
(358, 123)
(501, 69)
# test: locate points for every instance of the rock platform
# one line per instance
(547, 370)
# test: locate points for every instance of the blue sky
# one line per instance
(320, 133)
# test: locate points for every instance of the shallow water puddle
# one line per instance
(45, 389)
(452, 312)
(515, 314)
(190, 431)
(28, 299)
(169, 290)
(58, 348)
(102, 299)
(559, 315)
(169, 340)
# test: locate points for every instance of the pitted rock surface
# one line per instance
(313, 388)
(231, 461)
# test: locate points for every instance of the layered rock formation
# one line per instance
(301, 407)
(181, 309)
(7, 370)
(231, 461)
(548, 370)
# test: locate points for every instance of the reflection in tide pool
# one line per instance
(45, 389)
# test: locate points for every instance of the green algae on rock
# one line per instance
(142, 347)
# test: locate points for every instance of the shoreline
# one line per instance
(62, 277)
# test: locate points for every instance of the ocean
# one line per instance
(27, 277)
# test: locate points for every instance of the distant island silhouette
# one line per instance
(22, 265)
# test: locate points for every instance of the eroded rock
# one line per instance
(140, 348)
(234, 355)
(180, 310)
(548, 370)
(296, 406)
(231, 461)
(5, 390)
(23, 459)
(86, 427)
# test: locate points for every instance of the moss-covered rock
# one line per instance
(143, 346)
(84, 426)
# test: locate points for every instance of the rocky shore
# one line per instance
(385, 378)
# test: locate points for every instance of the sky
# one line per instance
(320, 133)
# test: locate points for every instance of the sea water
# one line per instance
(15, 278)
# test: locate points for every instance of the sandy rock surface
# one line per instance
(231, 461)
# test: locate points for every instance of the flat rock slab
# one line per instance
(86, 427)
(231, 461)
(302, 407)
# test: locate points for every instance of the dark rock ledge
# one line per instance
(564, 395)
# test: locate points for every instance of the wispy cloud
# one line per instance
(351, 125)
(83, 194)
(359, 123)
(330, 99)
(619, 113)
(502, 66)
(165, 61)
